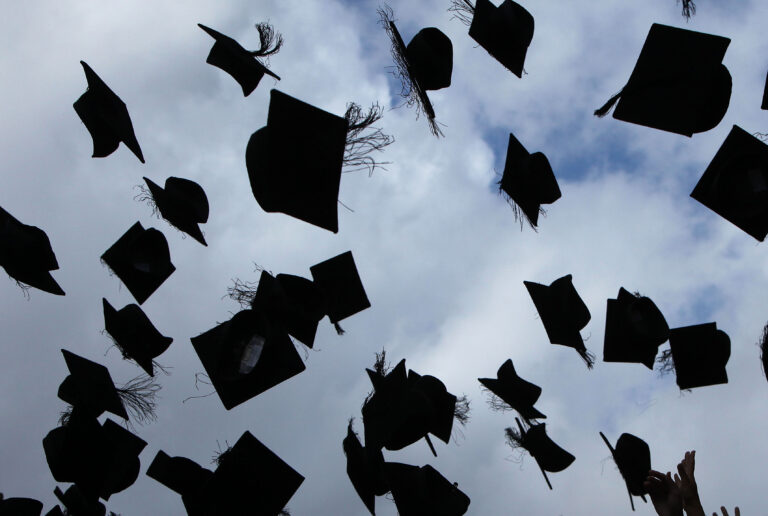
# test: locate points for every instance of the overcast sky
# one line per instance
(438, 250)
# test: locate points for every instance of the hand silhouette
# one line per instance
(686, 482)
(736, 512)
(665, 494)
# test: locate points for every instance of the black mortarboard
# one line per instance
(78, 503)
(245, 356)
(182, 203)
(26, 254)
(633, 458)
(69, 449)
(106, 117)
(514, 391)
(20, 507)
(294, 162)
(135, 335)
(700, 353)
(563, 313)
(119, 459)
(504, 31)
(634, 329)
(89, 387)
(238, 62)
(183, 476)
(141, 259)
(364, 469)
(735, 184)
(338, 280)
(423, 491)
(679, 83)
(549, 456)
(528, 181)
(425, 64)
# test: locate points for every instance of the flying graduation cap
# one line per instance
(505, 31)
(514, 391)
(425, 64)
(528, 182)
(679, 83)
(89, 387)
(26, 254)
(20, 506)
(549, 456)
(182, 203)
(244, 65)
(698, 355)
(735, 184)
(106, 117)
(365, 469)
(563, 314)
(141, 259)
(338, 280)
(634, 329)
(633, 458)
(135, 335)
(419, 491)
(183, 476)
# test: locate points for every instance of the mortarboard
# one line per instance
(182, 203)
(423, 491)
(549, 456)
(89, 387)
(119, 459)
(735, 184)
(72, 450)
(634, 329)
(528, 181)
(699, 353)
(26, 254)
(633, 458)
(679, 83)
(141, 259)
(364, 469)
(426, 63)
(20, 507)
(135, 335)
(106, 117)
(183, 476)
(563, 313)
(243, 65)
(514, 391)
(245, 356)
(338, 280)
(293, 173)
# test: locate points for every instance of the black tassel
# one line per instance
(514, 438)
(588, 357)
(221, 455)
(517, 212)
(145, 196)
(65, 416)
(463, 10)
(381, 366)
(339, 329)
(244, 292)
(359, 146)
(689, 8)
(270, 41)
(139, 396)
(461, 410)
(608, 105)
(666, 363)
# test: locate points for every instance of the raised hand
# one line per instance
(736, 512)
(665, 494)
(686, 482)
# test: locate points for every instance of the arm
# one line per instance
(665, 494)
(686, 482)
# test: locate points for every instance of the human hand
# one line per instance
(686, 482)
(725, 513)
(665, 494)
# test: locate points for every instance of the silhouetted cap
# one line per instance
(20, 507)
(549, 456)
(72, 450)
(119, 459)
(562, 312)
(228, 55)
(183, 476)
(634, 329)
(106, 117)
(135, 335)
(338, 280)
(735, 184)
(364, 469)
(633, 458)
(26, 254)
(245, 356)
(679, 83)
(425, 64)
(528, 181)
(505, 32)
(141, 259)
(700, 353)
(294, 162)
(79, 504)
(183, 204)
(89, 387)
(514, 391)
(420, 491)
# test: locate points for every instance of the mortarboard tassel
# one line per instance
(358, 146)
(463, 10)
(139, 396)
(588, 357)
(514, 438)
(689, 8)
(339, 329)
(268, 37)
(601, 112)
(666, 362)
(461, 410)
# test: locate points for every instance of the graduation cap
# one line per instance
(243, 65)
(119, 459)
(528, 182)
(183, 476)
(73, 450)
(689, 8)
(338, 280)
(735, 184)
(679, 83)
(135, 335)
(141, 260)
(89, 387)
(78, 503)
(633, 458)
(294, 174)
(563, 313)
(182, 203)
(423, 491)
(425, 64)
(699, 354)
(245, 356)
(26, 254)
(20, 506)
(106, 117)
(514, 391)
(549, 456)
(634, 329)
(505, 31)
(364, 469)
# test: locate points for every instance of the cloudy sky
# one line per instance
(439, 252)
